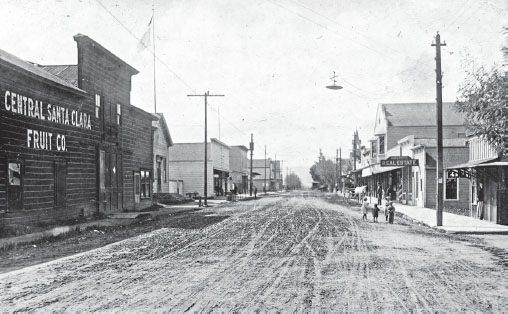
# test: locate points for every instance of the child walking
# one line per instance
(365, 209)
(375, 212)
(387, 203)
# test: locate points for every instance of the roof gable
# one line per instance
(164, 128)
(420, 114)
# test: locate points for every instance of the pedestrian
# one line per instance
(375, 212)
(386, 204)
(365, 209)
(391, 212)
(255, 192)
(379, 193)
(479, 201)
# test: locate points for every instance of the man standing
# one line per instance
(479, 201)
(379, 193)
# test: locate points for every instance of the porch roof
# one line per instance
(473, 163)
(377, 169)
(494, 164)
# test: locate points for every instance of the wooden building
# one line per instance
(239, 166)
(408, 130)
(186, 165)
(487, 166)
(265, 169)
(161, 142)
(71, 143)
(48, 145)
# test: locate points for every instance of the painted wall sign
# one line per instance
(29, 107)
(33, 108)
(395, 161)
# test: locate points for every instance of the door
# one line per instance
(60, 184)
(15, 186)
(113, 188)
(102, 180)
(159, 175)
(137, 188)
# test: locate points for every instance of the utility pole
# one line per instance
(439, 118)
(282, 174)
(206, 95)
(264, 183)
(337, 171)
(251, 152)
(275, 172)
(340, 168)
(354, 159)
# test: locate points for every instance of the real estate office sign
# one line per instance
(397, 161)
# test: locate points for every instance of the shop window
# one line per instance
(118, 114)
(15, 186)
(452, 186)
(14, 174)
(97, 106)
(381, 144)
(145, 184)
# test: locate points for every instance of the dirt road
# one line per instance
(287, 253)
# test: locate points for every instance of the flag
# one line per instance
(145, 41)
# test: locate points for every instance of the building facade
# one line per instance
(490, 168)
(186, 165)
(161, 142)
(268, 173)
(71, 141)
(48, 146)
(407, 131)
(239, 166)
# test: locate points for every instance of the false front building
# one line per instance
(187, 168)
(71, 142)
(403, 152)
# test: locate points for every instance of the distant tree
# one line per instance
(293, 181)
(324, 170)
(483, 98)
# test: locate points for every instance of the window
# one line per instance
(15, 186)
(451, 188)
(97, 106)
(381, 144)
(14, 174)
(373, 150)
(145, 184)
(118, 114)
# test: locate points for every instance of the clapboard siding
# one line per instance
(137, 140)
(220, 155)
(192, 175)
(160, 148)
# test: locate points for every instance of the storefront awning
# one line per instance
(377, 169)
(494, 164)
(472, 164)
(386, 169)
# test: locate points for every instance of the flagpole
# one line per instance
(154, 86)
